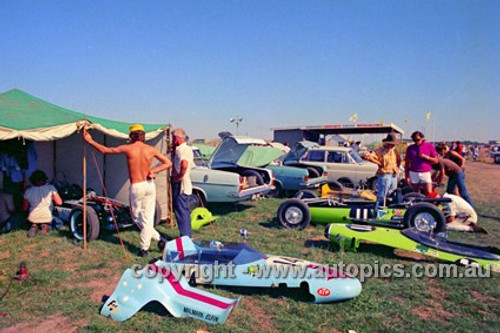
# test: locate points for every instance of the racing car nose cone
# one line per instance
(351, 289)
(337, 289)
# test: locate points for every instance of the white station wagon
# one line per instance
(343, 164)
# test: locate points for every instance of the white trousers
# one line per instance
(142, 209)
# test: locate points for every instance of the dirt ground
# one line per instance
(483, 180)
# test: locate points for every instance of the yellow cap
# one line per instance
(136, 127)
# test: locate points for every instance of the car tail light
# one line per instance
(243, 183)
(325, 174)
(306, 179)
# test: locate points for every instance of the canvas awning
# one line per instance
(25, 116)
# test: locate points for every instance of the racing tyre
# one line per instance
(425, 217)
(253, 177)
(76, 223)
(336, 186)
(313, 173)
(346, 182)
(497, 159)
(294, 214)
(305, 194)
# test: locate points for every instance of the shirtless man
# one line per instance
(142, 189)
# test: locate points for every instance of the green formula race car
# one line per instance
(424, 216)
(349, 236)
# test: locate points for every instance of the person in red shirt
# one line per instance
(459, 148)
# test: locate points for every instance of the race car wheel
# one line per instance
(336, 186)
(346, 182)
(294, 214)
(76, 223)
(305, 194)
(425, 217)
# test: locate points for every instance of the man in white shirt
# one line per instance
(182, 188)
(460, 215)
(38, 201)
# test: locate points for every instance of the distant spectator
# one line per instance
(38, 200)
(474, 151)
(465, 151)
(357, 146)
(459, 148)
(451, 155)
(419, 158)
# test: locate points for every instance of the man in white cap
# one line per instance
(142, 189)
(388, 161)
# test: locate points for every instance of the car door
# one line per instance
(339, 164)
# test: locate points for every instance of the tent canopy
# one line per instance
(25, 116)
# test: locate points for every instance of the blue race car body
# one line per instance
(238, 264)
(137, 288)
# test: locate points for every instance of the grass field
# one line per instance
(67, 284)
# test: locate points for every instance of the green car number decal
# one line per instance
(428, 251)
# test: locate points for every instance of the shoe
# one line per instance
(45, 228)
(143, 253)
(477, 228)
(161, 244)
(33, 230)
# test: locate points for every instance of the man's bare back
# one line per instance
(139, 158)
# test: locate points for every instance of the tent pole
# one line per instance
(54, 160)
(169, 187)
(84, 168)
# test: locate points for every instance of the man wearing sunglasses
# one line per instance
(419, 158)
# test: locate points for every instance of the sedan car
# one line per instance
(222, 180)
(343, 164)
(246, 152)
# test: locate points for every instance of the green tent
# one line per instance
(25, 116)
(53, 132)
